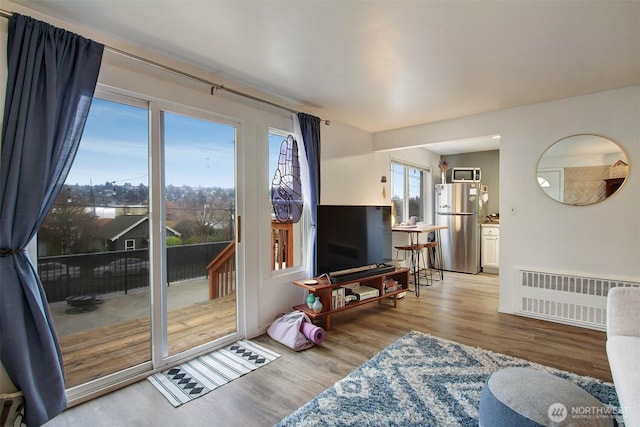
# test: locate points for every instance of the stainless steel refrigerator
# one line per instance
(459, 206)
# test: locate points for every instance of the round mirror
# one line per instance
(582, 169)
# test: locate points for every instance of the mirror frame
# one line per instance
(605, 183)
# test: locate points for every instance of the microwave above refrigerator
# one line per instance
(465, 175)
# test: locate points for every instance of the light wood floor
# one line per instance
(463, 308)
(98, 352)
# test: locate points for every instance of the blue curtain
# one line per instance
(310, 130)
(52, 75)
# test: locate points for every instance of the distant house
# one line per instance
(128, 232)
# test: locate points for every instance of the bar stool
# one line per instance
(435, 258)
(415, 250)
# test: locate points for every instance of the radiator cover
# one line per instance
(565, 298)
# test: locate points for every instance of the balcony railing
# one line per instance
(222, 273)
(281, 245)
(120, 271)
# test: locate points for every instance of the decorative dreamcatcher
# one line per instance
(286, 189)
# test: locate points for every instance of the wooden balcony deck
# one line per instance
(98, 352)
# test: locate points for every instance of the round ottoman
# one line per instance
(526, 397)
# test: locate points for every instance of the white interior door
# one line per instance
(552, 182)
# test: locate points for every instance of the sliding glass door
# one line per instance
(199, 172)
(137, 257)
(93, 252)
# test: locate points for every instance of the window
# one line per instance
(408, 191)
(285, 246)
(98, 241)
(86, 247)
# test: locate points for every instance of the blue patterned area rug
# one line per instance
(198, 377)
(420, 380)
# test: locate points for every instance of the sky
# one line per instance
(114, 148)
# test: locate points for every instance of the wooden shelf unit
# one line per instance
(324, 287)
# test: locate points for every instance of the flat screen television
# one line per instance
(351, 237)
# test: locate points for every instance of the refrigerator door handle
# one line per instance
(455, 213)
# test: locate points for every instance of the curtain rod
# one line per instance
(214, 86)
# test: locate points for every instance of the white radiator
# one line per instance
(569, 299)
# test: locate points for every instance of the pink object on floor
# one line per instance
(313, 332)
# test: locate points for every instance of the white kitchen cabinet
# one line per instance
(490, 251)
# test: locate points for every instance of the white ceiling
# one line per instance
(380, 65)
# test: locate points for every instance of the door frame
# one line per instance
(160, 357)
(157, 250)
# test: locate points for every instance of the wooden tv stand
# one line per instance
(323, 289)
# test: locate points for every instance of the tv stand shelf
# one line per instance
(324, 288)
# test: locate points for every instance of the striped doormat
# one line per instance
(198, 377)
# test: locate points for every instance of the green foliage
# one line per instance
(173, 241)
(193, 240)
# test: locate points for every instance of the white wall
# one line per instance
(350, 172)
(601, 240)
(353, 178)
